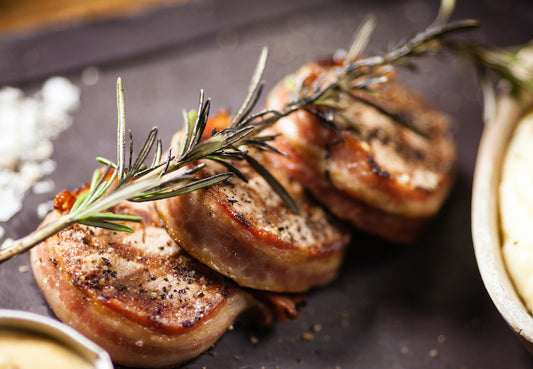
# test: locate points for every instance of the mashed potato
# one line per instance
(516, 209)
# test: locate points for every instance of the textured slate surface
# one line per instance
(416, 306)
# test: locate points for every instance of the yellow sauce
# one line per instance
(516, 209)
(21, 350)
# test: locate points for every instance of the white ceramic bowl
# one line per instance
(485, 218)
(43, 326)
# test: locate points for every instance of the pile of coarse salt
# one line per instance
(28, 124)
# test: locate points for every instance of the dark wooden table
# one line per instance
(416, 306)
(29, 15)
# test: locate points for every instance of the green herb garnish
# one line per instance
(134, 180)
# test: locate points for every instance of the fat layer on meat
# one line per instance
(138, 295)
(247, 233)
(380, 169)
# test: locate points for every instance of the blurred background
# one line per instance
(28, 15)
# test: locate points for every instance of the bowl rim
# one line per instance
(46, 326)
(485, 217)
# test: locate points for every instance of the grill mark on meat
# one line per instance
(120, 289)
(257, 240)
(381, 166)
(101, 284)
(242, 219)
(376, 169)
(263, 199)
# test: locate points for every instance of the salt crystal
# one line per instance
(8, 242)
(28, 124)
(9, 95)
(24, 268)
(48, 166)
(43, 187)
(43, 150)
(30, 171)
(44, 208)
(11, 203)
(59, 92)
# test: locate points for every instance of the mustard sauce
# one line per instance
(22, 350)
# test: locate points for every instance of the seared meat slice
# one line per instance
(138, 294)
(382, 177)
(247, 233)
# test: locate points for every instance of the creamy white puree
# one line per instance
(19, 350)
(516, 209)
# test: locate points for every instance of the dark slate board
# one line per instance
(416, 306)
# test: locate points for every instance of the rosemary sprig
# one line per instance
(494, 65)
(326, 99)
(363, 74)
(134, 180)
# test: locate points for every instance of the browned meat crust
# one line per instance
(384, 178)
(138, 295)
(246, 232)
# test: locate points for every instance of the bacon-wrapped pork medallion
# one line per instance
(383, 177)
(246, 232)
(138, 295)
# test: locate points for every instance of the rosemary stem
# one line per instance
(39, 235)
(42, 233)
